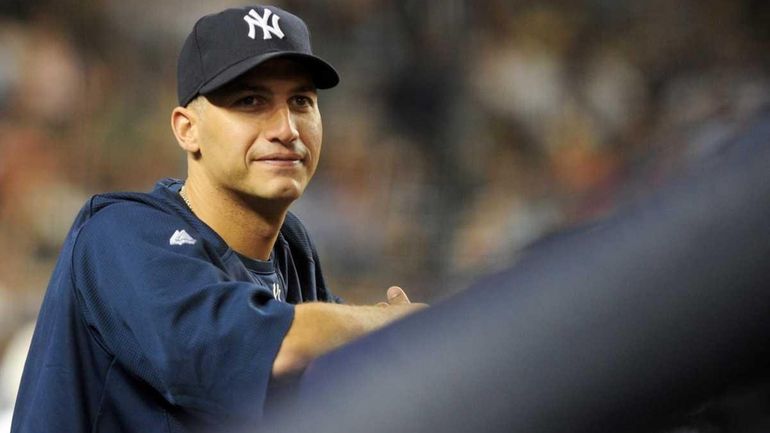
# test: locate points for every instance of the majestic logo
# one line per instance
(277, 291)
(255, 21)
(181, 237)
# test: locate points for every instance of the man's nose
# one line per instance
(282, 126)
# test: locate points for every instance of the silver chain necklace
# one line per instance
(183, 193)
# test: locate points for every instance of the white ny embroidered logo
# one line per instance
(255, 20)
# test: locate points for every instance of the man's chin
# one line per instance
(281, 193)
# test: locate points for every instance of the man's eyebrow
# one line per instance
(246, 87)
(258, 88)
(304, 88)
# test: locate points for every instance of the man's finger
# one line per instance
(396, 295)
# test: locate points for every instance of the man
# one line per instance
(175, 310)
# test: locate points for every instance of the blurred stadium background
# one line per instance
(462, 130)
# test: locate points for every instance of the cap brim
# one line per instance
(323, 74)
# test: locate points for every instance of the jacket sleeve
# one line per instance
(171, 314)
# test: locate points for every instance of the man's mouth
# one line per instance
(281, 159)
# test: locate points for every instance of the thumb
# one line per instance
(396, 296)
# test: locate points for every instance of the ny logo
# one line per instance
(255, 20)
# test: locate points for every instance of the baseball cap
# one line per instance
(225, 45)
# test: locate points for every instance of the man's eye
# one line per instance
(302, 101)
(249, 101)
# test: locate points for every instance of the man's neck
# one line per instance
(249, 228)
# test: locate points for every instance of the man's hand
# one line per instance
(396, 297)
(320, 327)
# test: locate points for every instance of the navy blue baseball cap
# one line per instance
(225, 45)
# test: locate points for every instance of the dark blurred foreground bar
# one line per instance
(611, 328)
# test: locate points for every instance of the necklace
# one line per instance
(183, 193)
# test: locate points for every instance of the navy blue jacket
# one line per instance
(151, 323)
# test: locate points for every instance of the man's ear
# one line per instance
(184, 122)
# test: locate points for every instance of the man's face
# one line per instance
(260, 135)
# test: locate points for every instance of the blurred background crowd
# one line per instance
(462, 130)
